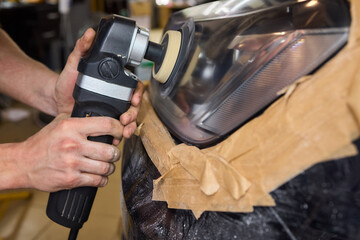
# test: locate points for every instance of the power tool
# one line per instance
(104, 87)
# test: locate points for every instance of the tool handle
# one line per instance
(71, 208)
(103, 88)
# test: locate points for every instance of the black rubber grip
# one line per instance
(71, 208)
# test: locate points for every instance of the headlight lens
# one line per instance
(241, 58)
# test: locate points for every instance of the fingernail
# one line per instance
(116, 155)
(111, 169)
(104, 181)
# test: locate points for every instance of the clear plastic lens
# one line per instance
(280, 61)
(239, 61)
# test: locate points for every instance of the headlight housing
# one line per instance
(240, 55)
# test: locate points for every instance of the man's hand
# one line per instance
(66, 82)
(128, 119)
(60, 156)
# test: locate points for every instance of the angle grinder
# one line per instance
(104, 87)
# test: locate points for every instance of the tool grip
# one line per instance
(71, 208)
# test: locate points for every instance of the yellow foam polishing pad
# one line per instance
(172, 52)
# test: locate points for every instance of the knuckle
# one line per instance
(113, 126)
(69, 145)
(104, 168)
(100, 181)
(132, 116)
(129, 130)
(64, 124)
(108, 153)
(71, 180)
(125, 118)
(109, 124)
(71, 164)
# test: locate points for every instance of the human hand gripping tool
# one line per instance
(104, 87)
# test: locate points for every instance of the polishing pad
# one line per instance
(172, 51)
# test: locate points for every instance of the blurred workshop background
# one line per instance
(48, 30)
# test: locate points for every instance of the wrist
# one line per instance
(51, 94)
(11, 176)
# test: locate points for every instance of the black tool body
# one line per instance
(71, 208)
(103, 88)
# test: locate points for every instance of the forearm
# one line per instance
(25, 79)
(11, 176)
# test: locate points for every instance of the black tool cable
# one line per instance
(73, 233)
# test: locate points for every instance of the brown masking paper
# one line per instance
(315, 120)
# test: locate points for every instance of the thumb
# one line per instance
(66, 82)
(82, 45)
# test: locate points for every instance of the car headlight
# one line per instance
(239, 56)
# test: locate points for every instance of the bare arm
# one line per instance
(33, 83)
(59, 156)
(25, 79)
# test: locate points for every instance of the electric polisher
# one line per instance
(104, 87)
